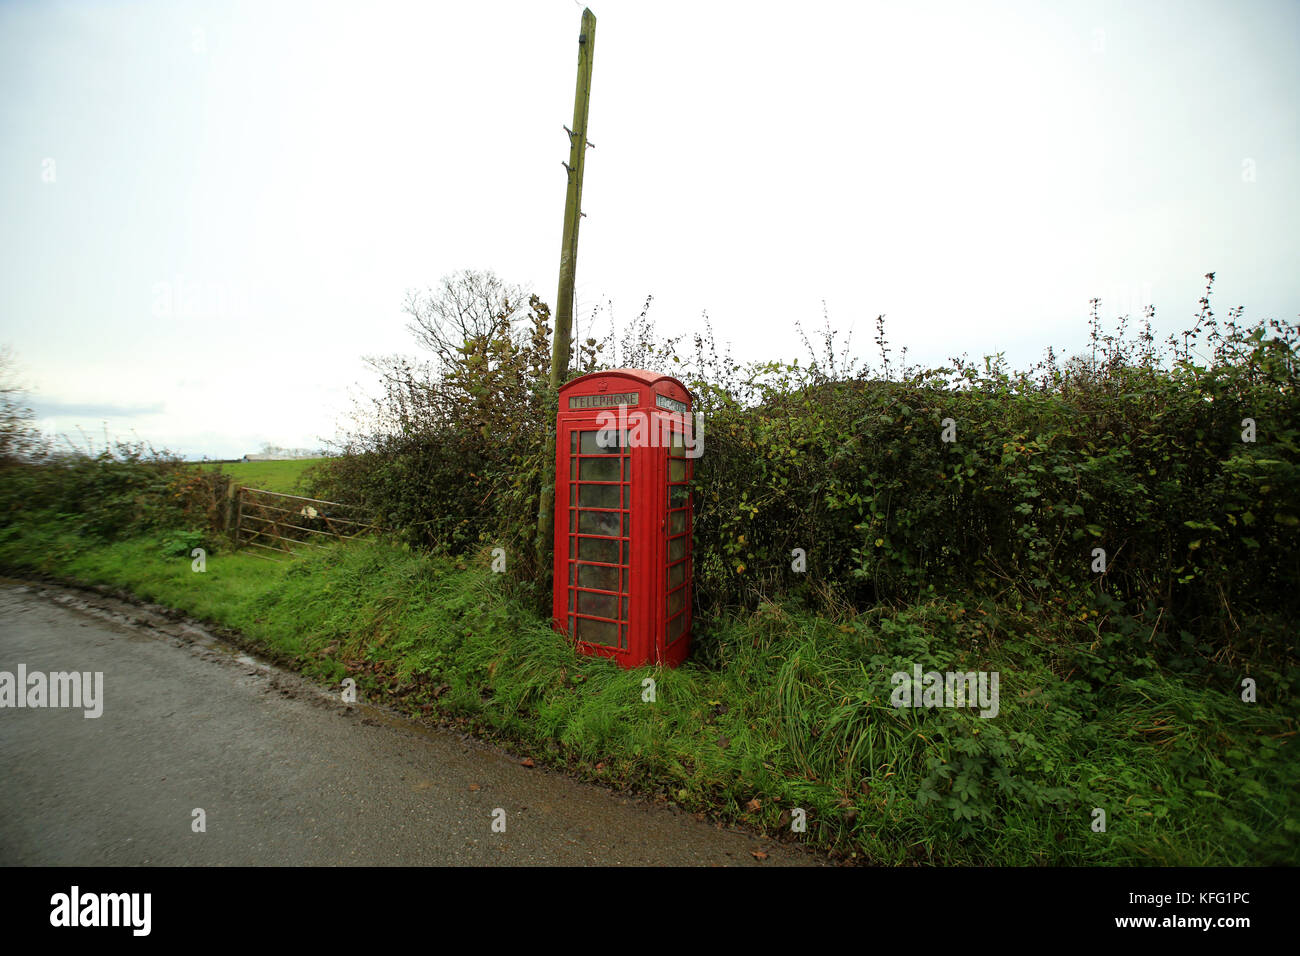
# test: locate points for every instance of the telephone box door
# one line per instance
(597, 538)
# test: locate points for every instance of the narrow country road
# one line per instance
(284, 773)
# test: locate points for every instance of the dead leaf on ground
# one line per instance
(527, 762)
(759, 854)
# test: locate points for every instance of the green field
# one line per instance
(282, 476)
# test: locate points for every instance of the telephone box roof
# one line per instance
(636, 374)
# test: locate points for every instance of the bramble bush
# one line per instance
(449, 455)
(1117, 452)
(123, 490)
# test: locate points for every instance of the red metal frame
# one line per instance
(622, 534)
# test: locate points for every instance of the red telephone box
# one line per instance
(624, 450)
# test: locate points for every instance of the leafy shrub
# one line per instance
(181, 543)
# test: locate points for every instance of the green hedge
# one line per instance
(1138, 452)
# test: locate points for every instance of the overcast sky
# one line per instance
(209, 212)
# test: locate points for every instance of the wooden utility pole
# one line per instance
(573, 203)
(562, 339)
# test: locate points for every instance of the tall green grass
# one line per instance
(782, 710)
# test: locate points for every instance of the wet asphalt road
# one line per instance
(284, 772)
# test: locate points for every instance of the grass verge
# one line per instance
(790, 711)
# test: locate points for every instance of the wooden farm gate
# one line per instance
(274, 521)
